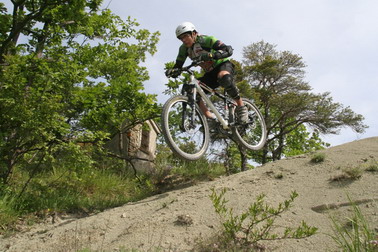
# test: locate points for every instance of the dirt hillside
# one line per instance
(173, 221)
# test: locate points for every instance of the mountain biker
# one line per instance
(218, 68)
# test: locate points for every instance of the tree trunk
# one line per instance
(264, 158)
(243, 157)
(7, 172)
(42, 40)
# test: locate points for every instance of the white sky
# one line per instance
(338, 40)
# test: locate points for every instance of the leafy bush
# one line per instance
(256, 223)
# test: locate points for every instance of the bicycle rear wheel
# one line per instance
(187, 138)
(252, 135)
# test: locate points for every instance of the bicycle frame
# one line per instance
(198, 89)
(193, 126)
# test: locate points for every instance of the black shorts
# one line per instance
(211, 78)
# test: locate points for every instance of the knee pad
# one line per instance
(227, 82)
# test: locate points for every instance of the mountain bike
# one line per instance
(185, 127)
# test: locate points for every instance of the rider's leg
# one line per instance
(205, 110)
(209, 79)
(225, 79)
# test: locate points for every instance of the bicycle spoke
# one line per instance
(252, 134)
(189, 139)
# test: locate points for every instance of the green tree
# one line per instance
(69, 73)
(301, 141)
(275, 80)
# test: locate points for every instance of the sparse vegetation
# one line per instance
(356, 234)
(318, 158)
(353, 172)
(372, 166)
(349, 173)
(278, 176)
(65, 191)
(256, 224)
(86, 189)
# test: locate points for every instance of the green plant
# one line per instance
(278, 176)
(168, 164)
(7, 213)
(318, 158)
(257, 222)
(353, 172)
(68, 89)
(349, 173)
(357, 235)
(372, 166)
(68, 191)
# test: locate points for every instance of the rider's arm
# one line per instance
(222, 50)
(181, 57)
(178, 64)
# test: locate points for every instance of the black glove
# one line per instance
(217, 55)
(206, 57)
(173, 72)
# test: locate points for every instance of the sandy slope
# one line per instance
(175, 220)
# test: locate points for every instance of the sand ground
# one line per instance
(175, 220)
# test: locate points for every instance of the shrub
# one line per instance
(349, 173)
(256, 223)
(318, 158)
(372, 166)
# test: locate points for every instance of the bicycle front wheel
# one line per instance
(252, 135)
(185, 128)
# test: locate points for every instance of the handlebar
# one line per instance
(194, 63)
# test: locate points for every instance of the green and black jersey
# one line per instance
(203, 44)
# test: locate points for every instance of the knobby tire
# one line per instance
(188, 143)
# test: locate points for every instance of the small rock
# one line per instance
(184, 220)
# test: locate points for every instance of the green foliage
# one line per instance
(5, 20)
(289, 107)
(227, 152)
(372, 166)
(300, 141)
(353, 172)
(174, 84)
(349, 173)
(76, 79)
(168, 164)
(7, 213)
(81, 180)
(318, 158)
(257, 222)
(357, 235)
(70, 190)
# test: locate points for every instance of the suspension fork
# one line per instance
(190, 91)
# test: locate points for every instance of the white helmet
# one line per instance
(185, 27)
